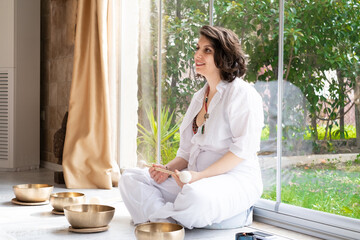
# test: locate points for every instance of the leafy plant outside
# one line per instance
(147, 140)
(350, 132)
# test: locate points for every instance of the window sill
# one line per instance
(307, 221)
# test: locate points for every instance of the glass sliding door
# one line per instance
(257, 27)
(320, 130)
(321, 169)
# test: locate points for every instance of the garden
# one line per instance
(330, 186)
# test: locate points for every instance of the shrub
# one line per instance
(147, 140)
(350, 132)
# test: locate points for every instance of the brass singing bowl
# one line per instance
(33, 192)
(89, 215)
(60, 200)
(159, 231)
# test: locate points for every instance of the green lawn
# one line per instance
(331, 187)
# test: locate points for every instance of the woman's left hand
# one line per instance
(195, 176)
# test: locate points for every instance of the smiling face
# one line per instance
(204, 59)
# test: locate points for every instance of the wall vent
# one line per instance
(4, 115)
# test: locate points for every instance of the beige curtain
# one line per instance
(89, 158)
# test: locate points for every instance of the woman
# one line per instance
(219, 139)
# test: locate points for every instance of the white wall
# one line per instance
(128, 82)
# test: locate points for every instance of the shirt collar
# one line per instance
(220, 89)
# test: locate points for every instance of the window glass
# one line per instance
(181, 23)
(257, 28)
(320, 148)
(320, 163)
(147, 80)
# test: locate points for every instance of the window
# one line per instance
(311, 166)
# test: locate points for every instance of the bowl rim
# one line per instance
(55, 195)
(67, 208)
(24, 186)
(137, 228)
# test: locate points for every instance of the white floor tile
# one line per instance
(37, 222)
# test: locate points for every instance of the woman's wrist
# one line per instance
(201, 175)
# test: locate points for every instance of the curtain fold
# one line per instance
(89, 158)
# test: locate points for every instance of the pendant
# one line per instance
(206, 116)
(203, 129)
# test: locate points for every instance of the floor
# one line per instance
(37, 222)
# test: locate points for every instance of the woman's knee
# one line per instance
(131, 179)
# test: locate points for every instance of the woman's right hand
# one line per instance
(159, 177)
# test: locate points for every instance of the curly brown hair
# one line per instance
(228, 56)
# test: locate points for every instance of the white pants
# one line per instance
(199, 204)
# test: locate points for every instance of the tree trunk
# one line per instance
(357, 109)
(273, 113)
(357, 124)
(314, 127)
(175, 79)
(341, 99)
(305, 112)
(178, 8)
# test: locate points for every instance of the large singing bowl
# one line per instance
(159, 231)
(89, 215)
(33, 192)
(63, 199)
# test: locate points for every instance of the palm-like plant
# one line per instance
(147, 140)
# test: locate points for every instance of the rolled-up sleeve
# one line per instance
(246, 119)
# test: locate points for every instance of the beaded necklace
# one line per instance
(206, 115)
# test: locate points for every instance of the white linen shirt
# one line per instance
(234, 124)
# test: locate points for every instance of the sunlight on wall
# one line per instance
(128, 82)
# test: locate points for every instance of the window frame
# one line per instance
(307, 221)
(299, 219)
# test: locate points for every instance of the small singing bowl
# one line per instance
(89, 215)
(60, 200)
(33, 192)
(159, 231)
